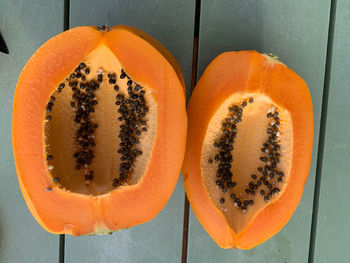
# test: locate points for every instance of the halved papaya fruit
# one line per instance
(99, 130)
(249, 147)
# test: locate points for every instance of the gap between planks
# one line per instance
(193, 83)
(322, 133)
(62, 238)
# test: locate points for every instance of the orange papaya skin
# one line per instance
(247, 72)
(145, 60)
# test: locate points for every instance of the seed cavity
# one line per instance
(267, 181)
(132, 111)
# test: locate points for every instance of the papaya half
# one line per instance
(249, 147)
(99, 130)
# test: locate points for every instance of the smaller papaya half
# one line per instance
(99, 130)
(249, 147)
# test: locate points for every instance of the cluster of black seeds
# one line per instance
(270, 176)
(224, 159)
(132, 109)
(83, 102)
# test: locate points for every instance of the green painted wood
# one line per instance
(332, 235)
(25, 25)
(160, 240)
(170, 22)
(296, 31)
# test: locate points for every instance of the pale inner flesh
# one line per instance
(60, 131)
(246, 153)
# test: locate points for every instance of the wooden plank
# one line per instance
(25, 26)
(171, 23)
(332, 235)
(296, 31)
(159, 240)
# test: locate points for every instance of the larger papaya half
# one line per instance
(248, 149)
(99, 130)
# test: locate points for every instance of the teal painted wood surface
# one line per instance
(333, 228)
(25, 26)
(159, 240)
(169, 22)
(172, 24)
(296, 31)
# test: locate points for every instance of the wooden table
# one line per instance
(311, 36)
